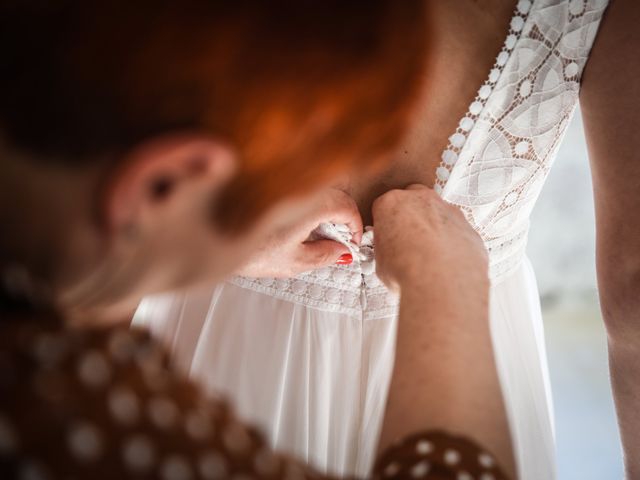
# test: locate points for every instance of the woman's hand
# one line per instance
(290, 251)
(444, 375)
(419, 236)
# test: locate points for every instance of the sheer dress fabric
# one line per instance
(309, 358)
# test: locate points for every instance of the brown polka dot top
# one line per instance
(103, 404)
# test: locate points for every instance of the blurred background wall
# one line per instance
(562, 250)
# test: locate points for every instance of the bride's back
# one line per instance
(464, 38)
(501, 85)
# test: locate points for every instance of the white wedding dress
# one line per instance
(309, 358)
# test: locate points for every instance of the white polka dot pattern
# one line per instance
(423, 447)
(486, 460)
(124, 405)
(198, 425)
(439, 454)
(451, 457)
(85, 442)
(212, 466)
(163, 412)
(176, 467)
(392, 469)
(420, 469)
(138, 453)
(115, 425)
(93, 370)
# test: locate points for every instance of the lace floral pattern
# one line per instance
(335, 289)
(500, 156)
(457, 141)
(496, 161)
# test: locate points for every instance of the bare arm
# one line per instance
(610, 102)
(445, 375)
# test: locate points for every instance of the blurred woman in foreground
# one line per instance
(149, 146)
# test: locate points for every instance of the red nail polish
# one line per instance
(345, 259)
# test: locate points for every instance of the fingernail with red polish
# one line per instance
(345, 259)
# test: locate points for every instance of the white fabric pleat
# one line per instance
(518, 339)
(316, 382)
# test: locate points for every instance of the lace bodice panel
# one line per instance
(499, 157)
(495, 163)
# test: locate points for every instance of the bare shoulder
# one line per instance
(610, 93)
(610, 104)
(617, 37)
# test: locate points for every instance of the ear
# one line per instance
(154, 173)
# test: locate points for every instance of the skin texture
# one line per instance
(609, 100)
(435, 353)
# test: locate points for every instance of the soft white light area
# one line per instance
(562, 250)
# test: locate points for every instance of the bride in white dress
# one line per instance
(312, 355)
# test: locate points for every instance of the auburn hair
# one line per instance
(301, 89)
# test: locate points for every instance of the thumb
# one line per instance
(322, 253)
(339, 207)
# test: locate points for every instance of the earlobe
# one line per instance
(154, 173)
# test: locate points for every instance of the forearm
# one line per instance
(624, 365)
(621, 313)
(444, 374)
(609, 100)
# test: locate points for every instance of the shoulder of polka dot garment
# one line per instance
(103, 404)
(438, 454)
